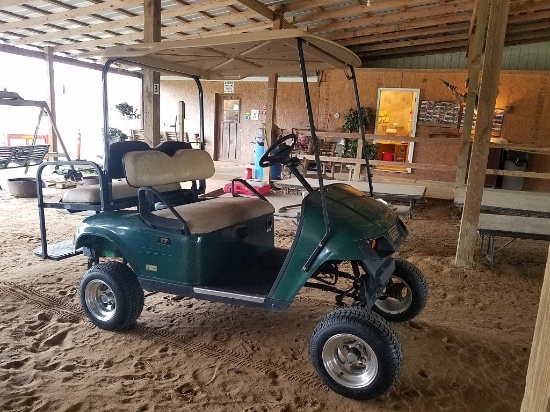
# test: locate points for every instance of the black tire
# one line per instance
(111, 296)
(356, 353)
(406, 294)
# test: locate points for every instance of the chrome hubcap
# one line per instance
(100, 300)
(350, 361)
(398, 296)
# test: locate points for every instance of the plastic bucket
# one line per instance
(387, 156)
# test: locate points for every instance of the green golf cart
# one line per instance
(222, 248)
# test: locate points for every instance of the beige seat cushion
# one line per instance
(219, 213)
(121, 190)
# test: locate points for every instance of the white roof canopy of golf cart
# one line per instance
(237, 56)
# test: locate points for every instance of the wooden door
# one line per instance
(228, 115)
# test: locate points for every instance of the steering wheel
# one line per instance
(278, 152)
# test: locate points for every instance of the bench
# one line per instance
(514, 227)
(18, 156)
(146, 169)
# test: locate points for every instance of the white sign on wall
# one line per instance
(254, 114)
(229, 87)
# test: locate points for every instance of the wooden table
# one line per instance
(514, 227)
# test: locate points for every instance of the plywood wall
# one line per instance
(291, 108)
(526, 92)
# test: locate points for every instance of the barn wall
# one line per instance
(527, 123)
(291, 108)
(526, 92)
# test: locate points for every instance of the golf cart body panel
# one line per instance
(355, 215)
(174, 257)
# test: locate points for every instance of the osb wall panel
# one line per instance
(291, 109)
(528, 94)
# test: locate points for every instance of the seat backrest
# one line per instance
(117, 150)
(153, 168)
(170, 147)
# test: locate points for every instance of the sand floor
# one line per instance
(468, 350)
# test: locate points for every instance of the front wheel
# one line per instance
(405, 295)
(111, 296)
(356, 353)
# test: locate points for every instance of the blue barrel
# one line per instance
(258, 152)
(276, 172)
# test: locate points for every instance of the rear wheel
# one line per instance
(405, 295)
(356, 353)
(111, 296)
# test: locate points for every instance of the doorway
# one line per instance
(396, 114)
(228, 142)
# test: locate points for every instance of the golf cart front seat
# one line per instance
(146, 169)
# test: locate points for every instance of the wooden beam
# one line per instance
(498, 16)
(121, 23)
(68, 14)
(266, 12)
(475, 53)
(410, 43)
(151, 79)
(348, 11)
(396, 18)
(48, 56)
(271, 103)
(537, 382)
(4, 48)
(124, 38)
(417, 32)
(393, 28)
(518, 173)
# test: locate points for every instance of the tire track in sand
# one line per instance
(60, 307)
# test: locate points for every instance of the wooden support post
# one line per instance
(151, 79)
(270, 105)
(49, 57)
(537, 386)
(357, 168)
(181, 121)
(475, 53)
(498, 17)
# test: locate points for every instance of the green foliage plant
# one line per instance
(351, 125)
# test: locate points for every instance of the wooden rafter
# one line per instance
(385, 28)
(196, 24)
(121, 23)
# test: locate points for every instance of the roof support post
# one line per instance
(271, 103)
(49, 57)
(498, 17)
(537, 386)
(475, 53)
(151, 79)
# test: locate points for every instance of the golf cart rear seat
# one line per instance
(120, 189)
(147, 169)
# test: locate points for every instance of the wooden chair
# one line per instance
(138, 134)
(326, 148)
(170, 136)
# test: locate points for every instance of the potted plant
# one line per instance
(351, 125)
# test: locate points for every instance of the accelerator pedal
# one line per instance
(59, 251)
